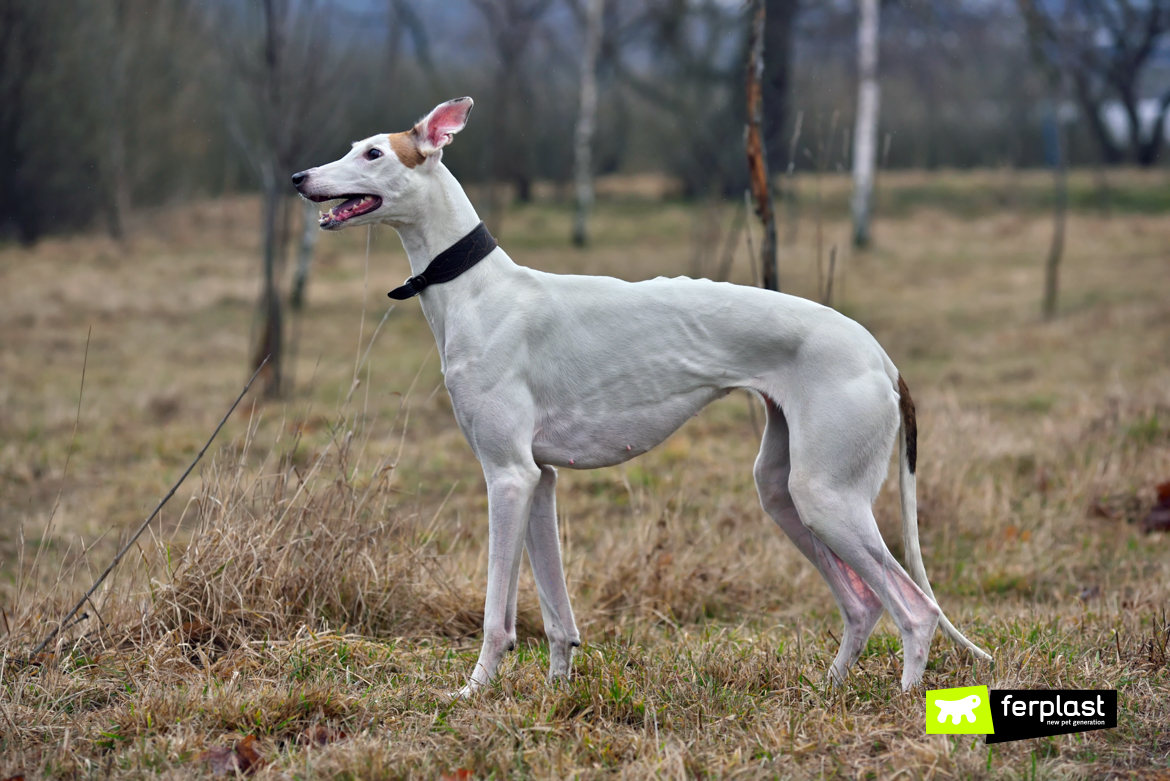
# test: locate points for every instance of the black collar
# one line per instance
(449, 263)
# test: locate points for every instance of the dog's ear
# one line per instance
(435, 130)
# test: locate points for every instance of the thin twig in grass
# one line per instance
(367, 423)
(429, 533)
(249, 437)
(362, 322)
(828, 298)
(402, 403)
(360, 362)
(64, 473)
(373, 337)
(334, 431)
(150, 517)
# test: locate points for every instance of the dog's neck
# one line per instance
(443, 216)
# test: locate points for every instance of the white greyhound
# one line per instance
(548, 370)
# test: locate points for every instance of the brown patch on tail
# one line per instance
(405, 145)
(909, 424)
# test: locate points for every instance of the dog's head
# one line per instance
(375, 179)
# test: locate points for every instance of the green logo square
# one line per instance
(962, 711)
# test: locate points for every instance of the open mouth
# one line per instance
(352, 206)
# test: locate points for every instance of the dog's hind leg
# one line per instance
(849, 530)
(840, 454)
(544, 553)
(860, 607)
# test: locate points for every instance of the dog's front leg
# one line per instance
(544, 553)
(510, 491)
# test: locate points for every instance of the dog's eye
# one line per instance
(374, 154)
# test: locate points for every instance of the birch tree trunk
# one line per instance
(865, 131)
(586, 121)
(310, 232)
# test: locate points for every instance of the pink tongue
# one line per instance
(348, 205)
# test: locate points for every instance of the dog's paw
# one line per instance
(560, 658)
(915, 685)
(558, 676)
(466, 693)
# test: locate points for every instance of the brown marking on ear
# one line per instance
(405, 145)
(909, 423)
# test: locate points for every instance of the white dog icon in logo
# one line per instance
(957, 710)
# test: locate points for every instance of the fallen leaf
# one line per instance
(319, 735)
(462, 774)
(14, 778)
(242, 758)
(1159, 518)
(246, 749)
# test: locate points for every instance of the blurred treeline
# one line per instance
(109, 106)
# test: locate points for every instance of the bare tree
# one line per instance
(586, 121)
(756, 154)
(1107, 46)
(865, 131)
(693, 77)
(285, 68)
(118, 46)
(511, 24)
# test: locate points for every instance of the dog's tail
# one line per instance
(907, 465)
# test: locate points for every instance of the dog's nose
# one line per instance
(299, 177)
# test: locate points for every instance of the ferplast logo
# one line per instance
(1018, 714)
(962, 711)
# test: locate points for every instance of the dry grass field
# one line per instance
(314, 591)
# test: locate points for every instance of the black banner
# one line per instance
(1019, 714)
